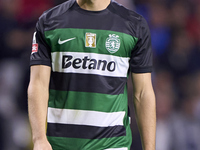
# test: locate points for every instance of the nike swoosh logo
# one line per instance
(62, 42)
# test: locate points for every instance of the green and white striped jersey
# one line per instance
(90, 54)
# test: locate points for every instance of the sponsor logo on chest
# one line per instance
(87, 63)
(90, 63)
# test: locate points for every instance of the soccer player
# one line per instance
(82, 53)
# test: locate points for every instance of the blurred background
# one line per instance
(175, 31)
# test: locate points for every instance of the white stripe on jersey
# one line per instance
(123, 148)
(83, 117)
(121, 63)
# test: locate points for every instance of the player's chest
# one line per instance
(90, 40)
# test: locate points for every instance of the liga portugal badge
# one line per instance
(34, 45)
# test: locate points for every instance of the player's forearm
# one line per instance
(145, 110)
(37, 107)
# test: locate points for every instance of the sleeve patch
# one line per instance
(34, 47)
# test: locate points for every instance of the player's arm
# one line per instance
(38, 92)
(145, 108)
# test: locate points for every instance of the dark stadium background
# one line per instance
(175, 31)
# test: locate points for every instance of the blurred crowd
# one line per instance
(175, 32)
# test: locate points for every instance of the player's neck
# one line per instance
(93, 5)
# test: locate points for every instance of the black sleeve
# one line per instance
(141, 57)
(41, 51)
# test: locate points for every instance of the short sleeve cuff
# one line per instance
(40, 62)
(142, 70)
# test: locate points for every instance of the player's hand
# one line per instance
(42, 145)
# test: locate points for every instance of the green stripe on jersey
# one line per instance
(62, 143)
(87, 101)
(74, 40)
